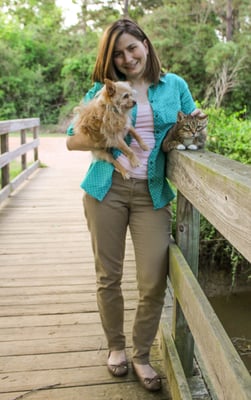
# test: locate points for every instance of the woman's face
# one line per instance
(130, 56)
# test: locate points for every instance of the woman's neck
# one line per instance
(141, 90)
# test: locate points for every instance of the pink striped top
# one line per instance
(145, 128)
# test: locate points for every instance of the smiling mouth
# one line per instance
(131, 66)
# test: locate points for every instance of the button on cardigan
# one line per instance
(166, 98)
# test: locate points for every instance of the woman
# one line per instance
(141, 203)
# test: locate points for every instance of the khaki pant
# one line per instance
(128, 203)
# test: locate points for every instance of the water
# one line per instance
(234, 312)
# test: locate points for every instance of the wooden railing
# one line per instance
(7, 156)
(220, 189)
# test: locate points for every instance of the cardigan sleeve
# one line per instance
(187, 102)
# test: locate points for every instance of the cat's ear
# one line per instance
(180, 116)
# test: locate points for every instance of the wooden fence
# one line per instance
(220, 189)
(6, 156)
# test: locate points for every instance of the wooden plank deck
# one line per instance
(51, 342)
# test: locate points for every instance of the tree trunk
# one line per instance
(229, 21)
(126, 5)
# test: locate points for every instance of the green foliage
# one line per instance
(229, 135)
(138, 9)
(241, 96)
(77, 68)
(29, 70)
(45, 67)
(103, 14)
(216, 253)
(218, 54)
(190, 40)
(181, 42)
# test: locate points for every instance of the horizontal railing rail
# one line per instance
(220, 189)
(7, 156)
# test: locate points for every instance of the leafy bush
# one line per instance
(216, 253)
(229, 135)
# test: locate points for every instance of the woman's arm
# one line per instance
(81, 143)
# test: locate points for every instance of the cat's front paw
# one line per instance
(192, 147)
(181, 147)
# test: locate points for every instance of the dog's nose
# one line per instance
(134, 102)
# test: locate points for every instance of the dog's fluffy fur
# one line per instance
(106, 121)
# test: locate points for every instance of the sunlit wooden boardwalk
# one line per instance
(51, 342)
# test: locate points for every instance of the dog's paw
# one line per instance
(144, 147)
(126, 175)
(135, 162)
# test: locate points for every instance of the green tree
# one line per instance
(223, 63)
(233, 17)
(99, 13)
(181, 34)
(32, 60)
(241, 96)
(45, 67)
(187, 34)
(77, 70)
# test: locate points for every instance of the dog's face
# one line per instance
(119, 94)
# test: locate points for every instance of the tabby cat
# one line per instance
(189, 132)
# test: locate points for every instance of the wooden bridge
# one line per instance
(51, 343)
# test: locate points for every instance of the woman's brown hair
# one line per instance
(104, 66)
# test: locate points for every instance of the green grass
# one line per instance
(15, 170)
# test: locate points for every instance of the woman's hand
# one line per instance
(197, 112)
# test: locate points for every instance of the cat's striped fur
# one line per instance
(189, 132)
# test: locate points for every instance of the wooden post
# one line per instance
(24, 156)
(35, 136)
(187, 239)
(5, 174)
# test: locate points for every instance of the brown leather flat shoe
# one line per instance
(150, 384)
(118, 369)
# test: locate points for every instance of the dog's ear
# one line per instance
(110, 87)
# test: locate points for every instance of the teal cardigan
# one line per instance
(166, 98)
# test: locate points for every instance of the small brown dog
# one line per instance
(105, 121)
